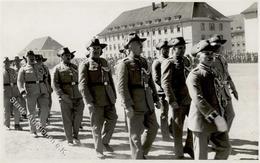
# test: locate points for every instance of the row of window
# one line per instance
(145, 44)
(211, 26)
(237, 28)
(145, 33)
(238, 44)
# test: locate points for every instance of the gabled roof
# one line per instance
(187, 11)
(251, 9)
(43, 43)
(237, 21)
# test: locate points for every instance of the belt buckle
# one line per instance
(73, 83)
(105, 83)
(37, 81)
(11, 84)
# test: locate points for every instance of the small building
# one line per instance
(251, 28)
(237, 34)
(164, 21)
(46, 46)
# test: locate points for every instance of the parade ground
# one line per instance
(244, 134)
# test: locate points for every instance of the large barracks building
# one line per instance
(164, 21)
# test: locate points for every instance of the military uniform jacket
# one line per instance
(173, 81)
(135, 84)
(46, 76)
(200, 83)
(65, 80)
(96, 83)
(220, 67)
(10, 83)
(31, 80)
(156, 74)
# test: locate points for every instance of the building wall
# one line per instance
(238, 42)
(251, 32)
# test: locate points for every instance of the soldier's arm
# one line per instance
(56, 82)
(112, 81)
(196, 94)
(83, 83)
(21, 81)
(166, 81)
(156, 74)
(123, 89)
(152, 86)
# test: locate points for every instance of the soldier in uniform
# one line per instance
(31, 85)
(47, 78)
(97, 88)
(163, 47)
(65, 84)
(225, 82)
(173, 79)
(10, 91)
(17, 64)
(206, 116)
(138, 95)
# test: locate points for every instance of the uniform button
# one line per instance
(105, 83)
(73, 83)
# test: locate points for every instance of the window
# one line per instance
(160, 40)
(142, 34)
(172, 29)
(113, 38)
(233, 45)
(211, 26)
(154, 42)
(238, 44)
(159, 31)
(110, 47)
(165, 30)
(202, 26)
(118, 46)
(220, 26)
(153, 32)
(147, 33)
(118, 37)
(203, 37)
(114, 47)
(231, 28)
(105, 39)
(178, 28)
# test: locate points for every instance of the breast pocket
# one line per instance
(30, 76)
(134, 75)
(66, 76)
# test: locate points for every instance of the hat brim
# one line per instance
(139, 39)
(72, 53)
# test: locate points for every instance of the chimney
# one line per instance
(153, 5)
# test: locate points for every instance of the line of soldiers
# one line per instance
(173, 85)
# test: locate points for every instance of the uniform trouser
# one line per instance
(42, 101)
(7, 112)
(229, 113)
(102, 116)
(50, 104)
(143, 128)
(164, 117)
(220, 139)
(71, 116)
(23, 103)
(177, 126)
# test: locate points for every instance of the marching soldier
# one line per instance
(65, 84)
(32, 88)
(138, 95)
(173, 79)
(206, 116)
(17, 64)
(163, 47)
(47, 78)
(97, 88)
(225, 83)
(10, 91)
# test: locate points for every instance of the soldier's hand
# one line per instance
(129, 112)
(174, 105)
(235, 94)
(221, 124)
(158, 105)
(66, 99)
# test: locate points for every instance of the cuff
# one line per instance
(210, 118)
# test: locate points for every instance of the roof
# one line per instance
(251, 9)
(237, 22)
(167, 14)
(43, 43)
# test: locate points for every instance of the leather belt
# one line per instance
(70, 83)
(9, 84)
(98, 84)
(34, 82)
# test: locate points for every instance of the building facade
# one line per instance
(237, 34)
(164, 21)
(251, 28)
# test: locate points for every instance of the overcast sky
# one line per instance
(72, 23)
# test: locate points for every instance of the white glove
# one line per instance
(221, 124)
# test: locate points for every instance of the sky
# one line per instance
(72, 23)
